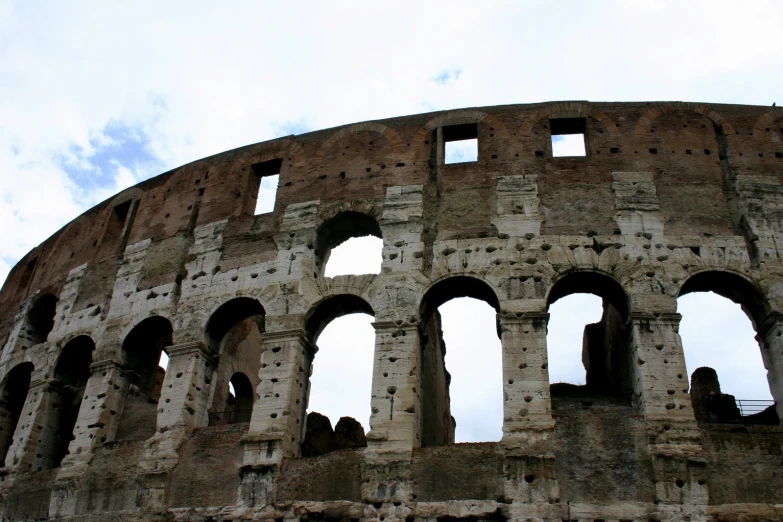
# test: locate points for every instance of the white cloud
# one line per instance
(194, 79)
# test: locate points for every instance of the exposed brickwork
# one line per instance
(670, 198)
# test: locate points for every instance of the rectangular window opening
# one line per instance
(568, 137)
(117, 219)
(268, 174)
(460, 143)
(121, 211)
(28, 272)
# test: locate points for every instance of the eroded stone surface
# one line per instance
(670, 198)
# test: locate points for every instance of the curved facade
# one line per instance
(669, 198)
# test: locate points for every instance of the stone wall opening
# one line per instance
(234, 332)
(572, 320)
(15, 388)
(141, 356)
(70, 380)
(264, 185)
(605, 351)
(568, 137)
(460, 143)
(340, 384)
(349, 243)
(40, 319)
(720, 313)
(463, 310)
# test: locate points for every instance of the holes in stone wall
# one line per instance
(264, 185)
(460, 143)
(568, 137)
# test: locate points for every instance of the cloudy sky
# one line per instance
(96, 96)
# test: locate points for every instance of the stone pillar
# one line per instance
(394, 418)
(660, 382)
(279, 412)
(770, 338)
(183, 403)
(99, 415)
(527, 405)
(21, 455)
(660, 393)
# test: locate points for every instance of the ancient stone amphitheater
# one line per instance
(669, 198)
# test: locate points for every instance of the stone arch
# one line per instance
(40, 318)
(15, 387)
(140, 354)
(454, 286)
(227, 315)
(460, 117)
(566, 110)
(765, 121)
(357, 285)
(643, 124)
(70, 376)
(594, 282)
(130, 194)
(290, 149)
(397, 145)
(141, 349)
(735, 287)
(605, 345)
(327, 310)
(244, 391)
(437, 424)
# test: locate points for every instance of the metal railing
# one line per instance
(739, 411)
(229, 417)
(752, 407)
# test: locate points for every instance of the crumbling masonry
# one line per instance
(670, 198)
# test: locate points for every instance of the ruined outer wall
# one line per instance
(665, 192)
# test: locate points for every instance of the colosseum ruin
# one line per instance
(669, 198)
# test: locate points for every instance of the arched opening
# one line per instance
(462, 386)
(234, 333)
(340, 384)
(40, 319)
(70, 380)
(720, 313)
(349, 244)
(141, 357)
(239, 402)
(585, 357)
(17, 384)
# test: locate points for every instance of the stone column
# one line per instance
(279, 412)
(660, 381)
(527, 405)
(21, 455)
(394, 418)
(99, 414)
(770, 338)
(183, 403)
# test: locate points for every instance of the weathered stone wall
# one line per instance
(670, 198)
